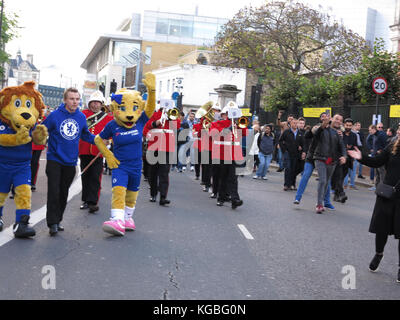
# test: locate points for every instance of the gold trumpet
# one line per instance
(172, 115)
(207, 113)
(243, 122)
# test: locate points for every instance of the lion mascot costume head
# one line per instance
(131, 114)
(20, 109)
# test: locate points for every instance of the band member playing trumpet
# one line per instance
(227, 151)
(160, 132)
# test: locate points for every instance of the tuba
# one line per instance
(207, 113)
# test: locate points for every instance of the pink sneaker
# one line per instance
(130, 225)
(114, 227)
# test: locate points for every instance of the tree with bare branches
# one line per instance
(284, 39)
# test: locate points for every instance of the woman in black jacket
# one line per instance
(386, 216)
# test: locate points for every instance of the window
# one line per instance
(123, 49)
(162, 26)
(186, 29)
(204, 30)
(148, 53)
(175, 28)
(168, 84)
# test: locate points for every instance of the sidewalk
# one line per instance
(359, 182)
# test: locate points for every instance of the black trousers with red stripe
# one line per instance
(91, 179)
(228, 182)
(159, 179)
(35, 165)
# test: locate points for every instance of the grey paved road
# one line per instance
(195, 250)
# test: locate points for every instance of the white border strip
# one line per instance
(245, 232)
(37, 216)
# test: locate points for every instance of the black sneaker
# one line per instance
(1, 225)
(213, 196)
(398, 277)
(84, 206)
(236, 203)
(53, 230)
(93, 208)
(22, 229)
(164, 202)
(33, 187)
(373, 266)
(361, 177)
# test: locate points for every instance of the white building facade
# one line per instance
(197, 83)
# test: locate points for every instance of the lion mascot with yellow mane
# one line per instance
(126, 130)
(20, 109)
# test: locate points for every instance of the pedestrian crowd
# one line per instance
(215, 146)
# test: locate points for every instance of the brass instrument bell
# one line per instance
(207, 113)
(173, 114)
(243, 122)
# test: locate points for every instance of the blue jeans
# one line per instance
(265, 161)
(280, 159)
(352, 174)
(360, 166)
(307, 173)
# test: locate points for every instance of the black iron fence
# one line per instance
(359, 113)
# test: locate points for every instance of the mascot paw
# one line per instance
(22, 136)
(149, 81)
(40, 135)
(112, 161)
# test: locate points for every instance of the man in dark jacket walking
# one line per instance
(292, 145)
(329, 152)
(349, 141)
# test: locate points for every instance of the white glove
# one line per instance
(164, 117)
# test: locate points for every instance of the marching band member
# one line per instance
(227, 150)
(160, 132)
(91, 179)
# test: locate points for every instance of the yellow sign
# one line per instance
(394, 111)
(315, 112)
(246, 112)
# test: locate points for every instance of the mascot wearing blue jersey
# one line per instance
(20, 109)
(126, 130)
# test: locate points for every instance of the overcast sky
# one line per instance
(62, 32)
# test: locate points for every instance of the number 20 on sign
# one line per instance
(379, 85)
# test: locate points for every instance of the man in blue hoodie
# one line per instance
(66, 126)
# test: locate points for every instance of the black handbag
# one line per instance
(386, 191)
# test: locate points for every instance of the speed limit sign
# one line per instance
(379, 85)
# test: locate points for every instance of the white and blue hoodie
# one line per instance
(65, 131)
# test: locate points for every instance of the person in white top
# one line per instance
(254, 147)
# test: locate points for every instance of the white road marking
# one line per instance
(245, 232)
(37, 216)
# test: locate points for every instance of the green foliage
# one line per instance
(355, 87)
(379, 63)
(284, 92)
(9, 32)
(320, 92)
